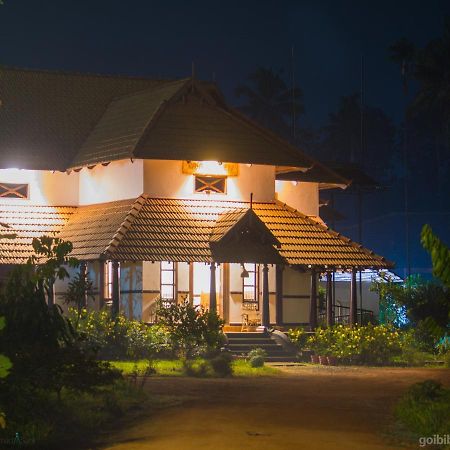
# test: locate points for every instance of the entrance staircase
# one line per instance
(240, 343)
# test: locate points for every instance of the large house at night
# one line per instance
(168, 193)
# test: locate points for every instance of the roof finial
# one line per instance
(251, 200)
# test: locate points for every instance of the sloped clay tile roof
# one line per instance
(28, 222)
(96, 229)
(153, 229)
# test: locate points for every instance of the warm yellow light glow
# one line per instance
(210, 168)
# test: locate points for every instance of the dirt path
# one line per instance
(304, 408)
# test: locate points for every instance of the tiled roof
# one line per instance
(95, 230)
(123, 124)
(46, 116)
(27, 222)
(152, 229)
(58, 121)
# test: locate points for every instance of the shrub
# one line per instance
(221, 364)
(120, 338)
(370, 344)
(199, 368)
(256, 357)
(425, 409)
(298, 337)
(257, 361)
(192, 330)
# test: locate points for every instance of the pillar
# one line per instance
(329, 299)
(83, 276)
(226, 292)
(353, 300)
(313, 301)
(212, 289)
(115, 289)
(265, 298)
(279, 295)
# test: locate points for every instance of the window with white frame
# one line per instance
(250, 284)
(168, 281)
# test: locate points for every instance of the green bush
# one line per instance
(221, 364)
(256, 361)
(120, 338)
(425, 409)
(198, 368)
(193, 331)
(370, 344)
(298, 337)
(256, 357)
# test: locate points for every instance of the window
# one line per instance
(208, 184)
(107, 280)
(12, 190)
(168, 281)
(249, 284)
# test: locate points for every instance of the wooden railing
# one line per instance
(341, 315)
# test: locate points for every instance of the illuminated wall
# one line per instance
(119, 180)
(302, 196)
(166, 179)
(45, 187)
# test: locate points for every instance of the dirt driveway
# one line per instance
(303, 408)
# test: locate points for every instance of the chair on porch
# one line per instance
(250, 316)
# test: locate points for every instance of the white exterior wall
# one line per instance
(165, 179)
(119, 180)
(371, 299)
(45, 187)
(296, 296)
(304, 197)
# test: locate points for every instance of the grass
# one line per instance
(425, 409)
(242, 368)
(174, 368)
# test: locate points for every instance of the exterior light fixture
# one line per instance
(244, 273)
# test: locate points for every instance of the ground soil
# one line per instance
(305, 407)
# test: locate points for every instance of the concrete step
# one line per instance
(250, 341)
(268, 348)
(248, 335)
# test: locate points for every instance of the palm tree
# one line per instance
(432, 71)
(269, 100)
(403, 53)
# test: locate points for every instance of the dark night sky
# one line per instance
(227, 38)
(231, 39)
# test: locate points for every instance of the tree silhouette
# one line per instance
(269, 100)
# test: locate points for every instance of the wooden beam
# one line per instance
(212, 289)
(313, 301)
(353, 300)
(265, 298)
(83, 276)
(329, 299)
(191, 283)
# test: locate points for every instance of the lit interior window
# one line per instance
(168, 281)
(249, 284)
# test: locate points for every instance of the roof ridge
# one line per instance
(126, 224)
(75, 73)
